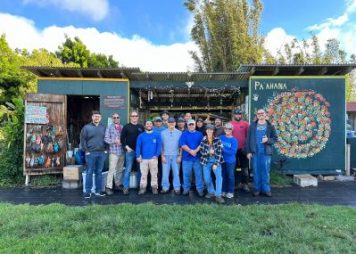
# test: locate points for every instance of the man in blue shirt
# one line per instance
(171, 156)
(148, 149)
(190, 144)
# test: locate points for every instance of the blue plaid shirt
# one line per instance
(111, 134)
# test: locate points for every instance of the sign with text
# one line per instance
(309, 117)
(36, 114)
(114, 102)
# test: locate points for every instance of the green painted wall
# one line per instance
(100, 88)
(309, 115)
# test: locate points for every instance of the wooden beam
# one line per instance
(276, 71)
(299, 71)
(323, 71)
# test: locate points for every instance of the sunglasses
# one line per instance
(260, 113)
(134, 115)
(228, 129)
(115, 117)
(191, 124)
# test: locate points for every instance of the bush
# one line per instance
(11, 144)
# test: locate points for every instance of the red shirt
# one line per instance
(240, 132)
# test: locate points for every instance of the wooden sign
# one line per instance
(36, 114)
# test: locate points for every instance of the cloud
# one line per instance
(130, 52)
(276, 39)
(342, 28)
(96, 9)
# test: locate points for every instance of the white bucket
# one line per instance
(104, 177)
(133, 181)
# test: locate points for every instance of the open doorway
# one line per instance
(79, 110)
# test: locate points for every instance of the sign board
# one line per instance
(36, 114)
(114, 102)
(309, 116)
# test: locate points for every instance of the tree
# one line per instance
(14, 81)
(226, 32)
(76, 52)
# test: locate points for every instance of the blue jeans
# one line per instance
(188, 166)
(261, 168)
(130, 158)
(171, 161)
(207, 168)
(94, 165)
(228, 174)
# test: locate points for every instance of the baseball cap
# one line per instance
(210, 126)
(165, 112)
(238, 111)
(171, 120)
(180, 120)
(157, 119)
(190, 121)
(200, 120)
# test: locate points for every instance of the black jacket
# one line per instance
(250, 145)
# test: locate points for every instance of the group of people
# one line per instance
(165, 145)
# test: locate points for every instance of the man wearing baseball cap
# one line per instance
(190, 144)
(171, 156)
(240, 129)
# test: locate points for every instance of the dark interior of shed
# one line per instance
(200, 101)
(79, 110)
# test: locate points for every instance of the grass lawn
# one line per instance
(149, 228)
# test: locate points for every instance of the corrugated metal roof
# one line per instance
(243, 73)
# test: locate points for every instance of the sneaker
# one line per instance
(164, 191)
(209, 195)
(154, 191)
(220, 200)
(256, 193)
(177, 192)
(142, 191)
(229, 195)
(245, 188)
(223, 194)
(268, 194)
(126, 191)
(201, 194)
(109, 191)
(87, 195)
(186, 192)
(100, 194)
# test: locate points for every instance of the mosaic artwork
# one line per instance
(303, 122)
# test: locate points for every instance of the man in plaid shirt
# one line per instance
(116, 156)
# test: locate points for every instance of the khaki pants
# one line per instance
(116, 168)
(152, 167)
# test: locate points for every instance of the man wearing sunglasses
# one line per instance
(260, 138)
(128, 140)
(116, 155)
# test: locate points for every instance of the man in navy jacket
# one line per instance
(260, 138)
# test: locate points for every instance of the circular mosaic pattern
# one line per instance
(302, 121)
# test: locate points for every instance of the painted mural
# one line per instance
(303, 122)
(309, 116)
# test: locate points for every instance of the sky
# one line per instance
(154, 35)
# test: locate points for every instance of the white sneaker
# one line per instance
(229, 195)
(223, 194)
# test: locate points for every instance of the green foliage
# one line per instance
(292, 228)
(14, 81)
(11, 144)
(75, 52)
(226, 32)
(46, 180)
